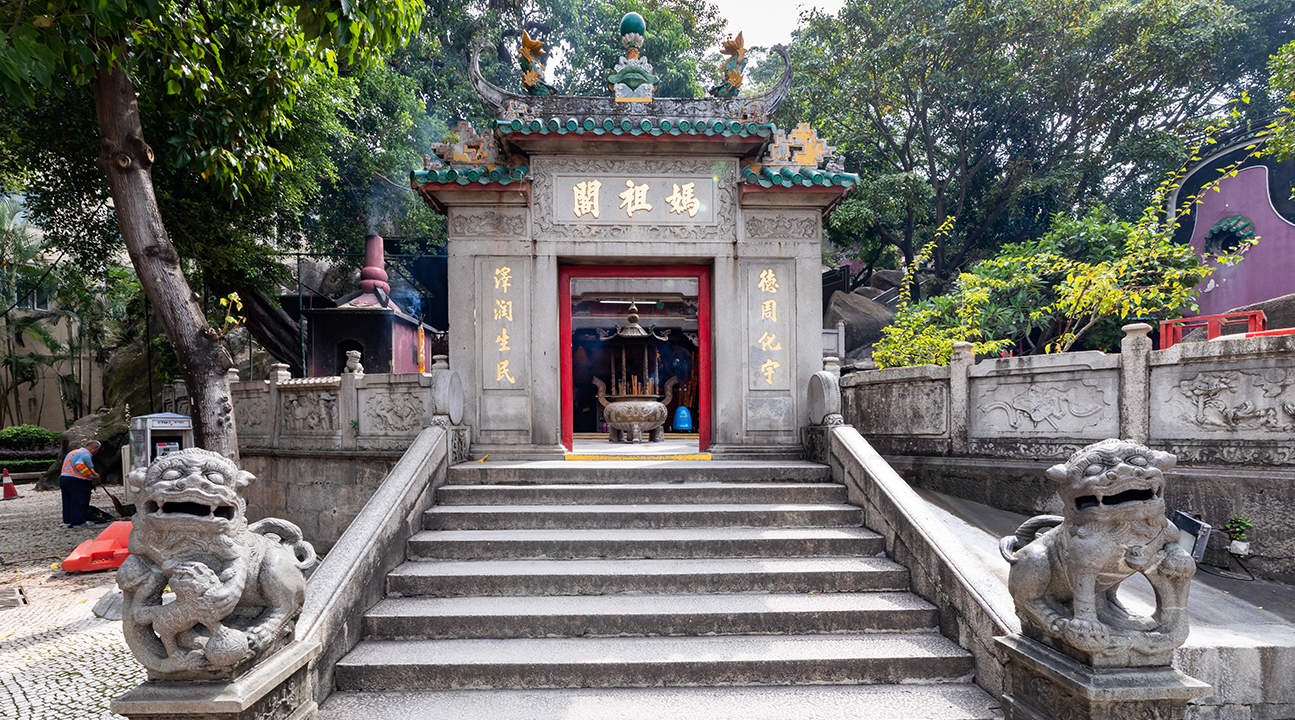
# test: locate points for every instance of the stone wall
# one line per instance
(986, 430)
(319, 447)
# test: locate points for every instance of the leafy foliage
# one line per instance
(27, 437)
(1281, 140)
(1003, 113)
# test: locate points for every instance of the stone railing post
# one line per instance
(823, 399)
(1135, 383)
(279, 374)
(348, 407)
(964, 356)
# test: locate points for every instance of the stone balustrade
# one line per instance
(985, 430)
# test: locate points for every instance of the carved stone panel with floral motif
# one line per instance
(400, 412)
(1241, 401)
(487, 222)
(1055, 405)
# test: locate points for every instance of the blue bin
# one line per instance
(682, 420)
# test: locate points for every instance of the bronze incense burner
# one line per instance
(634, 408)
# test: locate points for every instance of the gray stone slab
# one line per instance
(710, 492)
(589, 577)
(637, 662)
(542, 472)
(690, 542)
(623, 615)
(493, 517)
(813, 702)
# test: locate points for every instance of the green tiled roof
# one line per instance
(466, 176)
(647, 126)
(798, 177)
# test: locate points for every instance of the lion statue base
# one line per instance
(238, 587)
(1067, 569)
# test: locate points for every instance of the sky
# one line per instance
(768, 22)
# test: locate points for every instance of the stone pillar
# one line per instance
(832, 364)
(279, 374)
(1135, 383)
(348, 408)
(1042, 684)
(964, 356)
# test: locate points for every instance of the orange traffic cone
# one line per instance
(10, 490)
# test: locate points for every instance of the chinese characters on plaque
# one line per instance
(503, 312)
(669, 200)
(769, 327)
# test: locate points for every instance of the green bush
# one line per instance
(27, 437)
(22, 466)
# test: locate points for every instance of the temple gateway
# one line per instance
(699, 214)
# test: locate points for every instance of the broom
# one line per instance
(123, 510)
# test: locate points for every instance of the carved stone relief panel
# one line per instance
(252, 414)
(1072, 405)
(765, 225)
(400, 412)
(1255, 401)
(898, 408)
(309, 413)
(487, 222)
(634, 198)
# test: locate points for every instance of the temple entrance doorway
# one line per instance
(633, 337)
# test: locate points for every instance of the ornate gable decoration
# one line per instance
(802, 148)
(469, 148)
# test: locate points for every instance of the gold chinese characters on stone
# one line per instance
(768, 340)
(503, 312)
(586, 198)
(684, 200)
(634, 199)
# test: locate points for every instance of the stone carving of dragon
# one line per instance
(1067, 569)
(238, 587)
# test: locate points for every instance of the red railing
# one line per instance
(1172, 331)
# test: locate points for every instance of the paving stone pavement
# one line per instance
(57, 660)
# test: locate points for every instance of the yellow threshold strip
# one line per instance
(688, 456)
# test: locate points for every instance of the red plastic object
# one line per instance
(1172, 331)
(106, 552)
(1272, 333)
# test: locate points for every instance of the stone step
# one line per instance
(641, 615)
(640, 493)
(810, 702)
(456, 578)
(601, 472)
(656, 543)
(538, 517)
(875, 658)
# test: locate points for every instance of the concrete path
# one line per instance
(57, 660)
(1242, 639)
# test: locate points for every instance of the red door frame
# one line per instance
(700, 272)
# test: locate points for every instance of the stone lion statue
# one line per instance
(353, 364)
(238, 587)
(1066, 569)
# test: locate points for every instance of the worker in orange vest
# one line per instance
(75, 482)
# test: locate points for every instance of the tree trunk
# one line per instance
(126, 159)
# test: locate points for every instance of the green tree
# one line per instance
(244, 65)
(1004, 112)
(1281, 133)
(20, 277)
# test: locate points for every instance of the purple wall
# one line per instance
(1269, 267)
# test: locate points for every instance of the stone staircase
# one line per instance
(592, 591)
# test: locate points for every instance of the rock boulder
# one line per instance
(864, 319)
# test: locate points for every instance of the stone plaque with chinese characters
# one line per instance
(504, 317)
(770, 308)
(633, 200)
